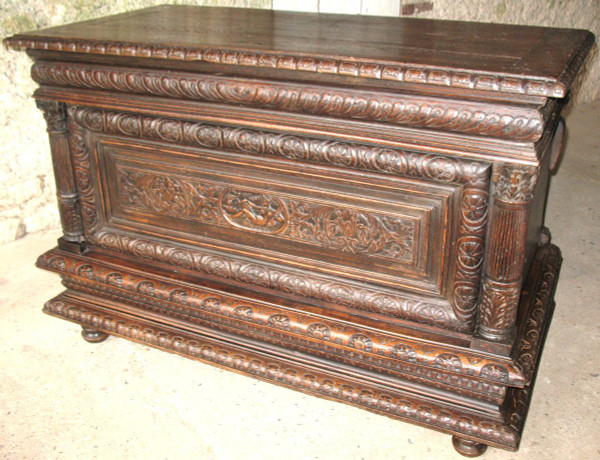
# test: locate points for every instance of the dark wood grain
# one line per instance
(493, 57)
(348, 206)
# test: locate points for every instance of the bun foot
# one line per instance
(468, 448)
(93, 336)
(545, 237)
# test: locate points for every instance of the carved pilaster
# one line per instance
(68, 200)
(512, 193)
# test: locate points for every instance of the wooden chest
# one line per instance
(348, 206)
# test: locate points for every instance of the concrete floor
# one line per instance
(61, 397)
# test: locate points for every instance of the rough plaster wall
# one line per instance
(27, 194)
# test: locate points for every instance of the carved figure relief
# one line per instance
(253, 211)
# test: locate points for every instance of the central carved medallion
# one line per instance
(253, 211)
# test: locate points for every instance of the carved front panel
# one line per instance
(382, 232)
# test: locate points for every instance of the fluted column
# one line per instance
(512, 194)
(68, 198)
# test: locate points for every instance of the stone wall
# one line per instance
(27, 194)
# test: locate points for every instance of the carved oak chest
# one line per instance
(349, 206)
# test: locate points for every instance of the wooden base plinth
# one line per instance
(431, 399)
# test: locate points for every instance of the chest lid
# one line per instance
(495, 58)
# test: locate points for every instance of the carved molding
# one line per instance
(300, 148)
(580, 55)
(541, 305)
(470, 247)
(472, 117)
(282, 331)
(315, 64)
(279, 279)
(387, 402)
(345, 229)
(533, 333)
(189, 303)
(80, 156)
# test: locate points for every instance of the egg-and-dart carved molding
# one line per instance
(518, 123)
(461, 79)
(381, 349)
(287, 372)
(473, 175)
